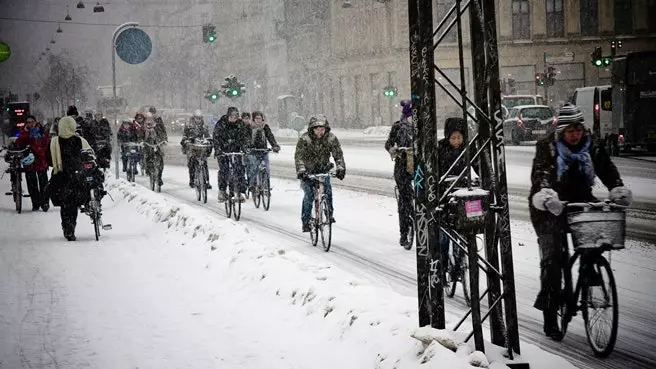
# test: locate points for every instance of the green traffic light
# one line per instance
(235, 92)
(607, 61)
(212, 38)
(598, 62)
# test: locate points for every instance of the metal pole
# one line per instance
(116, 32)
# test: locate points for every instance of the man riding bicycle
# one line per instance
(401, 135)
(194, 131)
(129, 132)
(231, 135)
(152, 156)
(260, 135)
(312, 156)
(564, 169)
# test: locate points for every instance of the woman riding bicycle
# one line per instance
(564, 169)
(261, 136)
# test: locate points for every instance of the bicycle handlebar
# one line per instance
(403, 148)
(259, 150)
(593, 205)
(320, 176)
(232, 154)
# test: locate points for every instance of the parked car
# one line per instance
(528, 123)
(511, 101)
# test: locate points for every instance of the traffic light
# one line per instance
(212, 95)
(540, 79)
(596, 58)
(232, 88)
(550, 76)
(209, 33)
(389, 91)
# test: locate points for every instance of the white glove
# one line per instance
(621, 196)
(547, 200)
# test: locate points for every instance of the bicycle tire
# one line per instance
(228, 206)
(410, 237)
(601, 263)
(152, 181)
(452, 277)
(265, 192)
(314, 230)
(236, 211)
(464, 274)
(94, 215)
(567, 292)
(257, 192)
(18, 193)
(326, 227)
(198, 179)
(132, 166)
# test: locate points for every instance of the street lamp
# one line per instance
(59, 30)
(98, 8)
(52, 41)
(80, 5)
(68, 15)
(347, 4)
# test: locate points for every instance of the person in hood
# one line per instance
(33, 135)
(159, 124)
(402, 135)
(261, 137)
(312, 156)
(66, 155)
(195, 131)
(564, 169)
(231, 135)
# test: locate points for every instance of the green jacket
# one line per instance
(312, 154)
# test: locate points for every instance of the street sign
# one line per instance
(5, 52)
(133, 46)
(564, 57)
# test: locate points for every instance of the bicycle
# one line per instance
(103, 150)
(456, 270)
(262, 193)
(133, 153)
(233, 202)
(322, 212)
(157, 163)
(90, 176)
(410, 235)
(15, 170)
(595, 228)
(200, 151)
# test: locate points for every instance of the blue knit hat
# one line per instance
(406, 109)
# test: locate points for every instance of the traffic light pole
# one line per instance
(116, 33)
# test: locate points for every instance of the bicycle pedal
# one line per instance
(107, 227)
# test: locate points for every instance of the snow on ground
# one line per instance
(171, 287)
(380, 131)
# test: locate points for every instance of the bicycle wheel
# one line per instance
(236, 211)
(464, 275)
(566, 305)
(131, 169)
(600, 295)
(95, 216)
(203, 185)
(265, 191)
(18, 192)
(198, 178)
(152, 181)
(326, 227)
(228, 206)
(448, 287)
(257, 192)
(410, 237)
(314, 231)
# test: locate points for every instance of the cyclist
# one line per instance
(195, 130)
(312, 156)
(36, 175)
(231, 135)
(159, 123)
(564, 169)
(401, 135)
(261, 136)
(128, 132)
(153, 136)
(103, 137)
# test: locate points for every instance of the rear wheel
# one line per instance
(326, 226)
(464, 274)
(95, 216)
(152, 180)
(18, 193)
(228, 206)
(237, 207)
(265, 191)
(600, 308)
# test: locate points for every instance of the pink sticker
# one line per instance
(473, 208)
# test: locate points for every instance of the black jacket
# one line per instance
(193, 132)
(231, 137)
(401, 135)
(102, 130)
(260, 137)
(85, 130)
(573, 186)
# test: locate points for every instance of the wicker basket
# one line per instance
(597, 227)
(199, 150)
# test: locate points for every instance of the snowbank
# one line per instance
(381, 131)
(379, 321)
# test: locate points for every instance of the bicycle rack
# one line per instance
(485, 149)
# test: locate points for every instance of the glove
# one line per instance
(340, 174)
(621, 196)
(392, 151)
(301, 175)
(547, 200)
(276, 149)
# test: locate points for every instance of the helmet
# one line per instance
(318, 120)
(28, 160)
(198, 113)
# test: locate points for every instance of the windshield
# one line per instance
(512, 101)
(541, 113)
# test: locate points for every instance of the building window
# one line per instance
(589, 18)
(521, 19)
(623, 17)
(555, 19)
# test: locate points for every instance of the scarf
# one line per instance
(566, 158)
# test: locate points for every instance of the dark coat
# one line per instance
(313, 154)
(131, 133)
(102, 130)
(231, 137)
(401, 135)
(447, 155)
(260, 137)
(40, 147)
(573, 186)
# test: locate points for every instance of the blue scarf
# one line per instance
(566, 158)
(36, 132)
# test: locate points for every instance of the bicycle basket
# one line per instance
(199, 150)
(594, 228)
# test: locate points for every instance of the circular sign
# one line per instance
(5, 52)
(298, 123)
(133, 46)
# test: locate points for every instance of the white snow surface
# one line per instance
(171, 287)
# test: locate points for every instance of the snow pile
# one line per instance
(286, 132)
(378, 131)
(380, 322)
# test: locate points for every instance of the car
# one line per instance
(528, 123)
(511, 101)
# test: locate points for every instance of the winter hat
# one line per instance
(406, 109)
(245, 115)
(258, 114)
(569, 114)
(454, 124)
(72, 111)
(232, 111)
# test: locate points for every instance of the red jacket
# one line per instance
(40, 145)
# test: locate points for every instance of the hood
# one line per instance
(454, 124)
(67, 127)
(310, 132)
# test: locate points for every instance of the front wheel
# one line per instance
(257, 192)
(228, 207)
(265, 191)
(18, 193)
(600, 307)
(326, 226)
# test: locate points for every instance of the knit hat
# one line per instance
(232, 111)
(406, 109)
(72, 110)
(569, 114)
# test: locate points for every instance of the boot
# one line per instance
(69, 231)
(306, 227)
(551, 328)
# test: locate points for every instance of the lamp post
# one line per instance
(116, 32)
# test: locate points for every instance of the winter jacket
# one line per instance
(39, 142)
(65, 148)
(194, 132)
(161, 129)
(102, 130)
(572, 186)
(312, 154)
(131, 133)
(231, 137)
(85, 130)
(447, 155)
(401, 135)
(260, 136)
